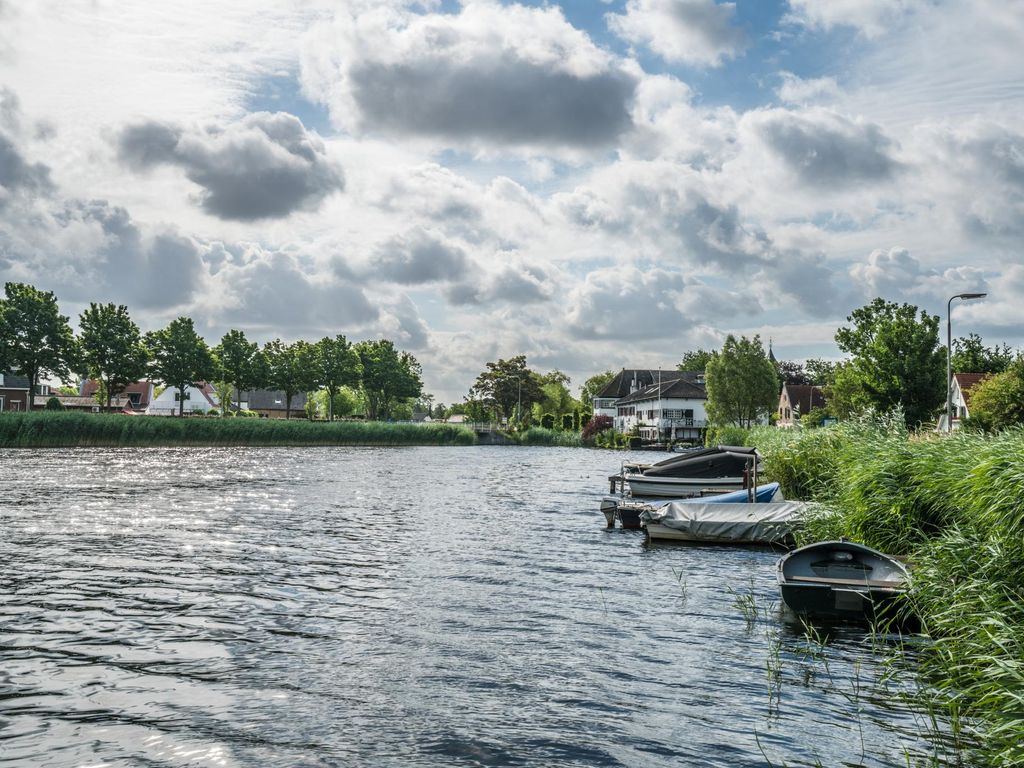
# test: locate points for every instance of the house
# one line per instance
(137, 395)
(198, 397)
(269, 403)
(457, 418)
(960, 391)
(13, 392)
(797, 400)
(665, 410)
(626, 382)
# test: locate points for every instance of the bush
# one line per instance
(596, 425)
(547, 421)
(550, 437)
(53, 404)
(726, 435)
(567, 422)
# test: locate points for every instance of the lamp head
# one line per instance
(971, 295)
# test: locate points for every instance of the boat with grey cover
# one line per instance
(628, 510)
(770, 523)
(840, 580)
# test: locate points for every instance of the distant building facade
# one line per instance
(797, 400)
(270, 403)
(14, 392)
(662, 406)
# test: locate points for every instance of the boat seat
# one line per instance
(847, 582)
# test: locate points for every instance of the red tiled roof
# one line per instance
(966, 382)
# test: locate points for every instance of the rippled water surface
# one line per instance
(398, 607)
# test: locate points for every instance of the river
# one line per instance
(400, 607)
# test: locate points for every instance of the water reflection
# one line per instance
(326, 607)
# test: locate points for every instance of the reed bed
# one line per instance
(954, 505)
(550, 437)
(69, 430)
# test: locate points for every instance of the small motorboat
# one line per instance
(840, 580)
(709, 521)
(722, 468)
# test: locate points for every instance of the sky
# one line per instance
(594, 184)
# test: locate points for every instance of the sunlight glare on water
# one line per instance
(415, 607)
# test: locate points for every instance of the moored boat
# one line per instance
(629, 511)
(840, 580)
(709, 521)
(722, 468)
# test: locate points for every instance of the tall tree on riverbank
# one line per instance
(388, 376)
(742, 383)
(112, 348)
(338, 365)
(292, 368)
(896, 359)
(180, 357)
(696, 360)
(971, 356)
(592, 386)
(506, 385)
(239, 362)
(35, 338)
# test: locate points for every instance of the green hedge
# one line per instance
(67, 430)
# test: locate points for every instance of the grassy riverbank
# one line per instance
(953, 504)
(71, 430)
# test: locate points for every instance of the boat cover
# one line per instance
(720, 461)
(771, 522)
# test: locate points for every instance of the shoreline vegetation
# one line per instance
(953, 506)
(50, 429)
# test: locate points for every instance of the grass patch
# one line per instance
(954, 505)
(550, 437)
(70, 430)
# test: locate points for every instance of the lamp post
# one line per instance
(949, 353)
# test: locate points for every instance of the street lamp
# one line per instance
(949, 354)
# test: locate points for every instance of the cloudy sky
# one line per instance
(593, 183)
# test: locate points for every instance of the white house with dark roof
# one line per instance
(670, 408)
(961, 387)
(626, 382)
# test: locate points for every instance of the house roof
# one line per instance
(804, 397)
(966, 382)
(269, 399)
(623, 381)
(683, 386)
(144, 388)
(14, 381)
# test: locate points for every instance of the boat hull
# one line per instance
(680, 487)
(841, 580)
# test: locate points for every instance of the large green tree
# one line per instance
(112, 349)
(180, 358)
(971, 356)
(821, 372)
(742, 383)
(896, 358)
(389, 375)
(592, 386)
(338, 365)
(696, 360)
(35, 338)
(508, 385)
(240, 363)
(292, 368)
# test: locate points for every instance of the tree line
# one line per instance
(894, 361)
(36, 341)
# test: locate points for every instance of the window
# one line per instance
(1, 403)
(688, 413)
(1, 379)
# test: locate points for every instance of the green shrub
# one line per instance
(725, 435)
(550, 437)
(567, 422)
(547, 421)
(53, 404)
